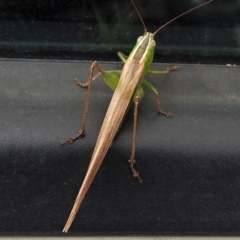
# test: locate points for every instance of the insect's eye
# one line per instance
(153, 43)
(139, 38)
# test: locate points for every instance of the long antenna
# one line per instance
(177, 16)
(144, 26)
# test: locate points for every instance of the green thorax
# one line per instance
(144, 50)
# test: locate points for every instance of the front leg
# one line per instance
(155, 91)
(168, 70)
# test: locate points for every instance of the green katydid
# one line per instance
(128, 86)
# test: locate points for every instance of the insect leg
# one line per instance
(85, 85)
(168, 70)
(122, 56)
(137, 96)
(155, 91)
(81, 132)
(132, 160)
(111, 78)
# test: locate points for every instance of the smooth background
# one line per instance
(189, 163)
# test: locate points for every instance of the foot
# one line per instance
(166, 114)
(78, 83)
(74, 139)
(175, 68)
(134, 172)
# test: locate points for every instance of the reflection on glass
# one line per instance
(94, 30)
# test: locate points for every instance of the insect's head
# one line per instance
(144, 49)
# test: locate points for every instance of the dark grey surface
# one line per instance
(190, 163)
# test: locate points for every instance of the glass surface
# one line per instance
(97, 30)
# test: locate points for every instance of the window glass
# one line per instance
(97, 30)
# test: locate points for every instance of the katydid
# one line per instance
(128, 86)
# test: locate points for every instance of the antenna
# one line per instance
(177, 16)
(144, 26)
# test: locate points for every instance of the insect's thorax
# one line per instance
(143, 48)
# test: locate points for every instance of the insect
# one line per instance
(128, 86)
